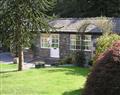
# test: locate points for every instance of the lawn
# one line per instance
(45, 81)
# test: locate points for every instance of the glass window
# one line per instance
(75, 43)
(55, 41)
(48, 41)
(45, 41)
(87, 42)
(72, 42)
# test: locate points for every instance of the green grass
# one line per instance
(45, 81)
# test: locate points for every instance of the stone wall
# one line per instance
(40, 52)
(64, 44)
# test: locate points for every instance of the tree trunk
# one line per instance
(21, 59)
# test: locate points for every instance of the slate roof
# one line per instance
(72, 24)
(116, 22)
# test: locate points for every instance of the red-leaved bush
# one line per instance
(105, 76)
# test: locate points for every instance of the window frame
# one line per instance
(71, 38)
(90, 41)
(49, 38)
(41, 41)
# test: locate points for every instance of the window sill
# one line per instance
(45, 48)
(79, 49)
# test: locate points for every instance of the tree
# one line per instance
(109, 8)
(105, 24)
(71, 8)
(20, 20)
(87, 8)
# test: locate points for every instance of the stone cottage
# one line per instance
(50, 47)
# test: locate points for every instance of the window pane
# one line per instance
(87, 48)
(45, 41)
(76, 43)
(54, 36)
(55, 41)
(78, 47)
(55, 45)
(87, 42)
(72, 47)
(87, 37)
(72, 42)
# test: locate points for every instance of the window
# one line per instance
(45, 41)
(0, 44)
(75, 43)
(87, 42)
(48, 41)
(55, 41)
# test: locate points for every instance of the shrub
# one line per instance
(105, 76)
(104, 42)
(67, 60)
(79, 57)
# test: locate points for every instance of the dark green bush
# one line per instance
(79, 57)
(67, 60)
(105, 76)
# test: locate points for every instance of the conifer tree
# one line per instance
(20, 20)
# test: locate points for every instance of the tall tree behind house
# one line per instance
(87, 8)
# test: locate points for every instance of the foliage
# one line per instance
(20, 20)
(69, 59)
(80, 58)
(108, 8)
(105, 76)
(36, 81)
(76, 58)
(104, 42)
(105, 24)
(71, 8)
(87, 8)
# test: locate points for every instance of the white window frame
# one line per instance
(90, 40)
(49, 39)
(71, 40)
(44, 36)
(90, 43)
(56, 39)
